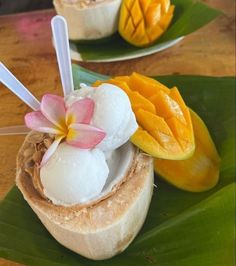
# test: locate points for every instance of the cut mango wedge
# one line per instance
(157, 138)
(165, 126)
(198, 173)
(143, 21)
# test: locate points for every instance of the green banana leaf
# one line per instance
(181, 228)
(189, 16)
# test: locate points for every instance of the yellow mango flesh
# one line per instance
(168, 107)
(157, 127)
(145, 86)
(198, 173)
(143, 21)
(149, 144)
(165, 126)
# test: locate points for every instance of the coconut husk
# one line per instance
(100, 229)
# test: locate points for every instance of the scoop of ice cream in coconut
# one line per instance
(73, 175)
(112, 113)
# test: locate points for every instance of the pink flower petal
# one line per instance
(53, 108)
(50, 151)
(84, 136)
(80, 111)
(37, 121)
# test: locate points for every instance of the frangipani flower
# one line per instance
(71, 124)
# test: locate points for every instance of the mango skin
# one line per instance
(199, 172)
(142, 22)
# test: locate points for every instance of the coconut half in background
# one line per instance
(105, 225)
(89, 19)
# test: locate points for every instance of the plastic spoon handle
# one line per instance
(13, 84)
(61, 42)
(14, 130)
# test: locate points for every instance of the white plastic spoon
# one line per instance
(14, 130)
(13, 84)
(61, 42)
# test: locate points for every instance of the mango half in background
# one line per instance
(142, 22)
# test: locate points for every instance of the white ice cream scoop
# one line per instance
(112, 113)
(73, 175)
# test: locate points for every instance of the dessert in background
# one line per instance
(89, 20)
(139, 22)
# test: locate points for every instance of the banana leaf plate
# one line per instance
(189, 16)
(181, 228)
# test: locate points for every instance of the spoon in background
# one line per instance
(61, 42)
(14, 85)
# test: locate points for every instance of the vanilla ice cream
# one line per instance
(112, 113)
(73, 175)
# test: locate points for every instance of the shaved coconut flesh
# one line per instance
(119, 163)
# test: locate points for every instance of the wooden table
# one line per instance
(26, 49)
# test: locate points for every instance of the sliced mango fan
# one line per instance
(142, 22)
(165, 126)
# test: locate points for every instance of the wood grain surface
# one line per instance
(26, 49)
